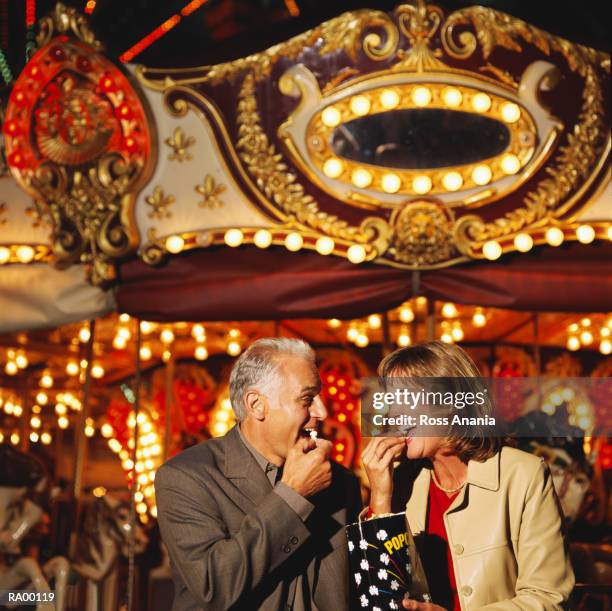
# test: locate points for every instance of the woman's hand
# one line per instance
(378, 460)
(415, 605)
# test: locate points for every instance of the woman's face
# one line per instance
(421, 441)
(421, 447)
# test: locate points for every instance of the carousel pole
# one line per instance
(24, 438)
(169, 404)
(386, 329)
(83, 415)
(131, 542)
(416, 289)
(536, 343)
(430, 324)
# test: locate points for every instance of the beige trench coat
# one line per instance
(505, 534)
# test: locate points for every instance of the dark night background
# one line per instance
(221, 30)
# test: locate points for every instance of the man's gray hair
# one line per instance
(257, 366)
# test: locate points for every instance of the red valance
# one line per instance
(252, 284)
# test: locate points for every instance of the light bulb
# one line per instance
(421, 96)
(452, 96)
(511, 113)
(333, 167)
(325, 245)
(262, 238)
(523, 242)
(233, 237)
(331, 116)
(492, 250)
(554, 236)
(389, 99)
(360, 105)
(356, 253)
(481, 102)
(294, 242)
(175, 244)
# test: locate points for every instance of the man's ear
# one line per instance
(255, 405)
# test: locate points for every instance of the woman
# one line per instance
(485, 516)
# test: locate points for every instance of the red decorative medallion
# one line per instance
(70, 106)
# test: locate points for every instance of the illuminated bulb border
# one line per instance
(421, 95)
(278, 236)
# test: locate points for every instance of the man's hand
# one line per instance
(378, 460)
(415, 605)
(307, 469)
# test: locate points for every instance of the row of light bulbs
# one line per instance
(14, 438)
(263, 238)
(582, 333)
(38, 433)
(167, 337)
(223, 417)
(523, 242)
(148, 459)
(73, 368)
(451, 331)
(491, 249)
(421, 96)
(421, 184)
(24, 254)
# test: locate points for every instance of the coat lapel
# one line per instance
(482, 474)
(416, 508)
(242, 468)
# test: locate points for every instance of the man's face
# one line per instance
(292, 404)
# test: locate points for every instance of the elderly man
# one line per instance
(255, 519)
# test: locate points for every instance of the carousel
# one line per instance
(378, 180)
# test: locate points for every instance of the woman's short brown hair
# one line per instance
(440, 360)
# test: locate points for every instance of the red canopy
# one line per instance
(272, 284)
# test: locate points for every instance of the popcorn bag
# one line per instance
(384, 564)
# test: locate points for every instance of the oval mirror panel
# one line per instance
(420, 138)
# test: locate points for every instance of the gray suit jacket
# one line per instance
(232, 540)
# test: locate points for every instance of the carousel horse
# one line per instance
(104, 535)
(562, 451)
(18, 515)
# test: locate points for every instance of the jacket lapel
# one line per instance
(242, 468)
(482, 474)
(416, 508)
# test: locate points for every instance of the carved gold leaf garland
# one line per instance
(39, 215)
(374, 34)
(343, 32)
(575, 159)
(65, 20)
(272, 176)
(86, 208)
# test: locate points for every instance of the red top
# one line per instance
(438, 562)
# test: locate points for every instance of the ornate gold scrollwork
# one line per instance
(422, 234)
(39, 215)
(272, 176)
(210, 191)
(419, 24)
(373, 34)
(160, 204)
(585, 145)
(78, 139)
(87, 211)
(66, 20)
(152, 251)
(180, 143)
